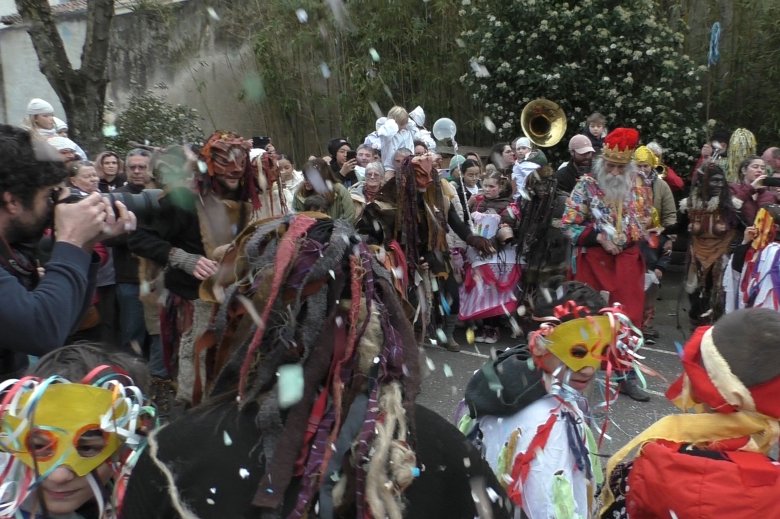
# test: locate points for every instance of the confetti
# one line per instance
(244, 473)
(489, 124)
(447, 370)
(290, 385)
(374, 54)
(302, 15)
(226, 439)
(325, 70)
(210, 501)
(441, 335)
(430, 364)
(470, 336)
(213, 14)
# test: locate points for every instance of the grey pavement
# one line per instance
(448, 372)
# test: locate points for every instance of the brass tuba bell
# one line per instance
(544, 122)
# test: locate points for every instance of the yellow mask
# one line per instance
(581, 343)
(66, 428)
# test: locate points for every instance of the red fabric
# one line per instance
(522, 463)
(623, 276)
(102, 253)
(745, 486)
(701, 385)
(673, 179)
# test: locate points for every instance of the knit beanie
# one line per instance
(39, 107)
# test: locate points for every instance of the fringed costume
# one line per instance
(311, 371)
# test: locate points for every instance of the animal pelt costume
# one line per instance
(710, 214)
(712, 462)
(316, 367)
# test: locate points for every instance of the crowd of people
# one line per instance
(288, 304)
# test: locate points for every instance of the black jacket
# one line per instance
(176, 225)
(567, 177)
(125, 262)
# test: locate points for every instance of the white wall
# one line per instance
(22, 80)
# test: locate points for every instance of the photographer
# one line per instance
(39, 310)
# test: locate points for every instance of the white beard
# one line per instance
(616, 188)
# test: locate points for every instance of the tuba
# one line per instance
(544, 122)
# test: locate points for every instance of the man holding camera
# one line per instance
(42, 306)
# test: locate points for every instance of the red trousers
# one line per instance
(623, 276)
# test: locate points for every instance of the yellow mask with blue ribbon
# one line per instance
(69, 426)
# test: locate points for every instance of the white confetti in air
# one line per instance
(210, 501)
(202, 167)
(460, 43)
(492, 494)
(244, 473)
(434, 285)
(447, 370)
(521, 310)
(441, 335)
(290, 385)
(339, 319)
(332, 274)
(213, 490)
(226, 439)
(430, 364)
(489, 124)
(466, 462)
(302, 15)
(213, 14)
(325, 70)
(374, 54)
(376, 360)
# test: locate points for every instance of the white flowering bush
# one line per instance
(586, 55)
(149, 119)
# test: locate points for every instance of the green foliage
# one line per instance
(149, 119)
(334, 78)
(590, 55)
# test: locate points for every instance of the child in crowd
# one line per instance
(488, 291)
(526, 410)
(70, 432)
(596, 130)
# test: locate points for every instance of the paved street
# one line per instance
(449, 372)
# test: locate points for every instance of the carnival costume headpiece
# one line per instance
(581, 337)
(53, 422)
(227, 154)
(643, 154)
(730, 381)
(742, 144)
(619, 145)
(309, 332)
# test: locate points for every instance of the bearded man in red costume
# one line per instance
(606, 218)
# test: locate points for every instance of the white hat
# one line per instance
(39, 107)
(380, 122)
(63, 143)
(59, 124)
(523, 142)
(418, 116)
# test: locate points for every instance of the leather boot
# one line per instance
(449, 330)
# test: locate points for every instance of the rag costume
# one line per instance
(43, 422)
(190, 224)
(311, 373)
(713, 461)
(588, 213)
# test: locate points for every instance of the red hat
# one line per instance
(619, 145)
(732, 366)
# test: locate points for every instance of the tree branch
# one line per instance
(94, 55)
(53, 60)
